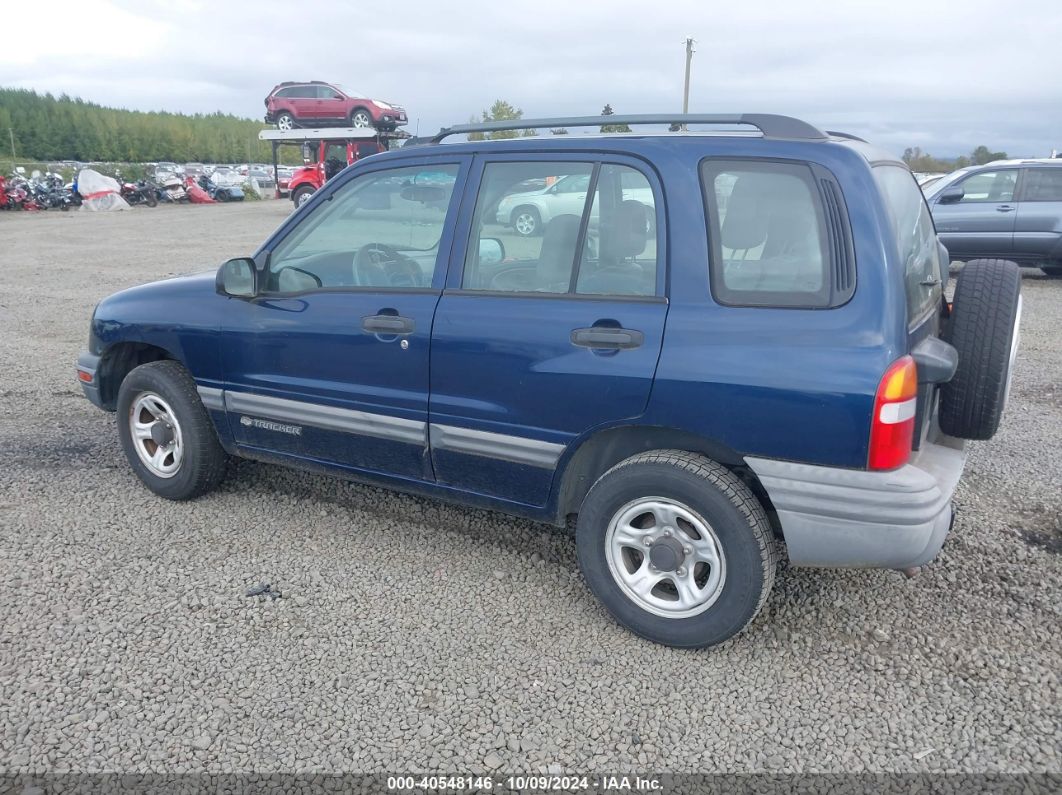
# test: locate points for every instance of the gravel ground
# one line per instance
(413, 635)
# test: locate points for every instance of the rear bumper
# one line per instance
(88, 366)
(843, 517)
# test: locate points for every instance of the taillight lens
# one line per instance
(892, 427)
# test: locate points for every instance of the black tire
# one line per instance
(526, 221)
(983, 329)
(302, 195)
(151, 199)
(714, 494)
(364, 115)
(1052, 271)
(202, 467)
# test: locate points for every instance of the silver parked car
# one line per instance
(1010, 209)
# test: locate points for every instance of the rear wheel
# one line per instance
(984, 326)
(285, 121)
(677, 548)
(166, 433)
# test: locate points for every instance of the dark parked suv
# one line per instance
(1010, 209)
(734, 347)
(318, 104)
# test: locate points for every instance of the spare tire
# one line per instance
(983, 328)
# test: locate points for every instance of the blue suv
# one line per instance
(728, 346)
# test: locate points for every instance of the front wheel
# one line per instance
(285, 121)
(360, 118)
(526, 221)
(302, 195)
(677, 548)
(166, 433)
(151, 199)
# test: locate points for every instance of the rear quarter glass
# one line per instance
(779, 234)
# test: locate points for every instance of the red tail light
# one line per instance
(892, 427)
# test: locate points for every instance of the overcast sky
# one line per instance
(943, 75)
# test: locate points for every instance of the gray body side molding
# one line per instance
(517, 449)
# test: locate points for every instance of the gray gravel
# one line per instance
(413, 635)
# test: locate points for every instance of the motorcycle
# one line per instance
(172, 189)
(136, 192)
(49, 192)
(18, 193)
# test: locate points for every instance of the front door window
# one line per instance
(379, 230)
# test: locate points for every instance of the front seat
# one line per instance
(556, 258)
(622, 238)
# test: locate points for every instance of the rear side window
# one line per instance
(777, 239)
(563, 228)
(1042, 185)
(916, 237)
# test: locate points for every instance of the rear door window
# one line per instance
(563, 228)
(916, 238)
(770, 241)
(1042, 185)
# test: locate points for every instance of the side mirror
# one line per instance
(237, 278)
(491, 251)
(951, 194)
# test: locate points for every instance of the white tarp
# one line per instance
(99, 192)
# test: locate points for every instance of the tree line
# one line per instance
(917, 160)
(47, 128)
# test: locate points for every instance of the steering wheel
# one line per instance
(380, 265)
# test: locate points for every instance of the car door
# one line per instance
(329, 103)
(538, 340)
(567, 195)
(980, 222)
(304, 102)
(329, 362)
(1038, 226)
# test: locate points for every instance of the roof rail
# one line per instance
(771, 125)
(847, 136)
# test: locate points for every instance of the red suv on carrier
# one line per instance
(317, 104)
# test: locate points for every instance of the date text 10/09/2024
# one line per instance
(522, 783)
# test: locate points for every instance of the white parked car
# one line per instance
(529, 212)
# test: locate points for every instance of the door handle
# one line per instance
(607, 338)
(1004, 208)
(388, 324)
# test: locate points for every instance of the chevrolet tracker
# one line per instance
(703, 349)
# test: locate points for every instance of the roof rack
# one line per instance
(771, 125)
(847, 136)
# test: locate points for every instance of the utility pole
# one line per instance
(11, 132)
(686, 87)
